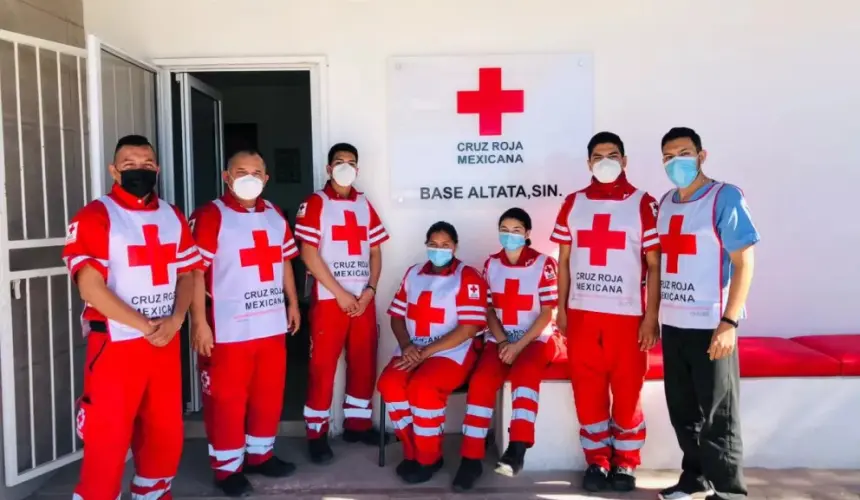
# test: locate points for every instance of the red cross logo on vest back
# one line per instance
(490, 102)
(676, 244)
(262, 255)
(350, 232)
(600, 240)
(158, 256)
(424, 314)
(510, 302)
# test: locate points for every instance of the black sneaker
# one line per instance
(423, 473)
(686, 489)
(235, 485)
(596, 479)
(273, 467)
(511, 462)
(406, 467)
(468, 472)
(320, 451)
(622, 479)
(369, 437)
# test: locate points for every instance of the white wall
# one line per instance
(772, 87)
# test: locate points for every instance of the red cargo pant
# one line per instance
(243, 394)
(132, 397)
(604, 355)
(416, 402)
(526, 374)
(331, 331)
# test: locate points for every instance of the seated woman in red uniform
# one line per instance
(521, 343)
(440, 307)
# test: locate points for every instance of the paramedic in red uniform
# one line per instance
(521, 341)
(341, 236)
(439, 308)
(246, 246)
(608, 250)
(132, 256)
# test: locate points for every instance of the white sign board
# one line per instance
(488, 127)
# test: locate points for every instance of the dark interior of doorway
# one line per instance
(268, 111)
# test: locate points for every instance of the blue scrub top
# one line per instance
(734, 223)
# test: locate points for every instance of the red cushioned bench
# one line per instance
(843, 348)
(768, 357)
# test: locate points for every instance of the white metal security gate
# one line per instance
(43, 181)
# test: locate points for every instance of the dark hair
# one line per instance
(443, 227)
(241, 152)
(519, 215)
(682, 133)
(605, 138)
(133, 140)
(344, 147)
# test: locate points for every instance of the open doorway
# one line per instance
(216, 113)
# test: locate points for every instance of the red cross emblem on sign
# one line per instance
(350, 232)
(676, 244)
(510, 302)
(262, 255)
(424, 314)
(490, 102)
(154, 254)
(600, 239)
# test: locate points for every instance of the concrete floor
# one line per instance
(354, 475)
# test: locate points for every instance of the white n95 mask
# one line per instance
(606, 170)
(247, 187)
(344, 174)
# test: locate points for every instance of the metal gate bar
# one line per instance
(14, 473)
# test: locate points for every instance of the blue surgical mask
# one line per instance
(682, 170)
(440, 257)
(512, 241)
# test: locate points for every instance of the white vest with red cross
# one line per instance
(344, 245)
(143, 257)
(431, 309)
(692, 295)
(247, 275)
(514, 293)
(606, 255)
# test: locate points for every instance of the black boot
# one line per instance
(596, 479)
(406, 467)
(622, 479)
(273, 467)
(320, 451)
(687, 486)
(369, 437)
(469, 472)
(512, 459)
(235, 485)
(423, 473)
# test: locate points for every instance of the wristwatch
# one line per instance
(729, 321)
(371, 287)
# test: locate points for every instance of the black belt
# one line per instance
(98, 326)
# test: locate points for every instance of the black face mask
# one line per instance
(139, 182)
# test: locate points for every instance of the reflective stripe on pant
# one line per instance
(132, 398)
(604, 355)
(416, 403)
(243, 394)
(525, 375)
(332, 330)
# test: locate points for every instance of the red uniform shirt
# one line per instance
(206, 224)
(88, 240)
(619, 190)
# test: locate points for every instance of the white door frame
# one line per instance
(164, 118)
(316, 65)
